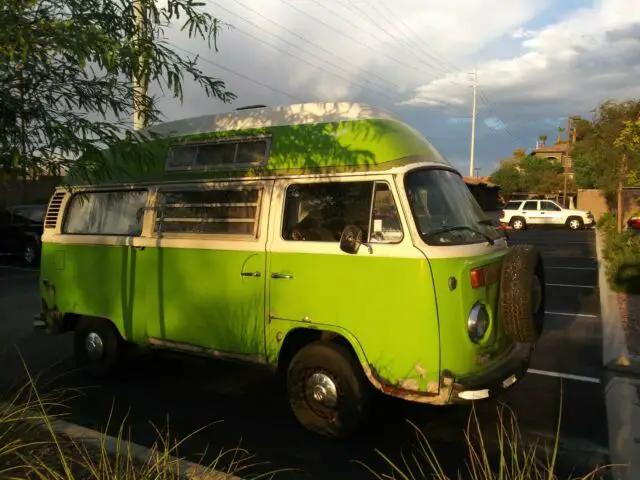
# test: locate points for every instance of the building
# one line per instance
(486, 193)
(560, 153)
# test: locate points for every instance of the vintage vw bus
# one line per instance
(330, 241)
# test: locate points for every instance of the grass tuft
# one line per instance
(500, 455)
(33, 446)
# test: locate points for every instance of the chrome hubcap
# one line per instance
(94, 346)
(536, 293)
(517, 224)
(322, 389)
(29, 254)
(574, 224)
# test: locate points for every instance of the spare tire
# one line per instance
(522, 293)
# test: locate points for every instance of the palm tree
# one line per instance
(543, 139)
(560, 132)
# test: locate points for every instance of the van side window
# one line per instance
(319, 212)
(385, 222)
(199, 211)
(106, 213)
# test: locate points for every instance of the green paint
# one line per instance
(459, 354)
(399, 314)
(386, 304)
(337, 147)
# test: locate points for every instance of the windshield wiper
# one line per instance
(462, 227)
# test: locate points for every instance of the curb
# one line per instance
(615, 354)
(622, 383)
(187, 470)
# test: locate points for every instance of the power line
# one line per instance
(358, 42)
(351, 82)
(241, 75)
(367, 17)
(507, 128)
(451, 67)
(312, 43)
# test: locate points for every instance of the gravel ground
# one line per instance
(630, 311)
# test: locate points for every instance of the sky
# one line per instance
(536, 62)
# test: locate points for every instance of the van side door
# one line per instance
(205, 267)
(380, 299)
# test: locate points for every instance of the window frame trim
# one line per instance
(69, 205)
(324, 181)
(237, 140)
(222, 186)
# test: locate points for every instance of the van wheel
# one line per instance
(518, 223)
(97, 346)
(574, 223)
(522, 293)
(327, 389)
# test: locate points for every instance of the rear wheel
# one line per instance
(522, 294)
(328, 391)
(518, 223)
(98, 346)
(574, 223)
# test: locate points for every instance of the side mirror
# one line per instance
(351, 239)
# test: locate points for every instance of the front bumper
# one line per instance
(495, 381)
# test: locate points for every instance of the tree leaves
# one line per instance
(67, 66)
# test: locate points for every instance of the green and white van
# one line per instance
(330, 241)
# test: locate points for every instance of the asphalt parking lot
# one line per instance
(251, 406)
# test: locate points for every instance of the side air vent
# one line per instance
(51, 219)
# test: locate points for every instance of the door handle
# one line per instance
(138, 247)
(250, 274)
(280, 275)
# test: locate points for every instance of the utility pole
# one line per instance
(566, 160)
(139, 81)
(473, 124)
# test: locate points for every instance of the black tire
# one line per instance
(575, 223)
(516, 225)
(112, 346)
(353, 391)
(522, 285)
(30, 253)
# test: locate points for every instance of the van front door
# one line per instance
(208, 265)
(381, 300)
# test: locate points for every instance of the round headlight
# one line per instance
(478, 322)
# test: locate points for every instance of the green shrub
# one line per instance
(621, 252)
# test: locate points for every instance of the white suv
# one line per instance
(521, 213)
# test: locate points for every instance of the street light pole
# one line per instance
(473, 124)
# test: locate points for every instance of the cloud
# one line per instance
(569, 66)
(535, 65)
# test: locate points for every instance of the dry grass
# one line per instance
(31, 447)
(504, 457)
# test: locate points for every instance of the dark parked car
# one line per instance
(21, 227)
(634, 223)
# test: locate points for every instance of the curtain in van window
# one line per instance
(106, 213)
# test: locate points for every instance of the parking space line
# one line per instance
(24, 269)
(568, 376)
(568, 285)
(571, 268)
(569, 314)
(19, 275)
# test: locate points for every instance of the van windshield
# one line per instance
(445, 211)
